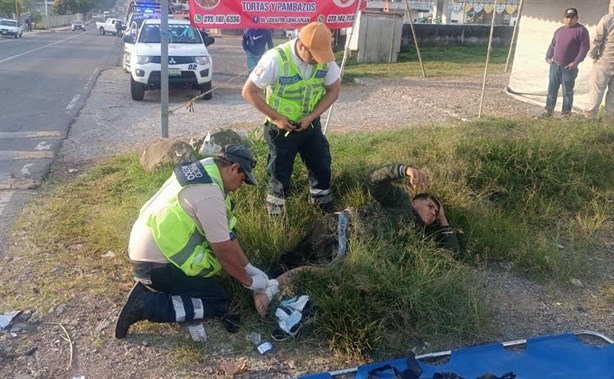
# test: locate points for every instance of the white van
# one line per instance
(189, 62)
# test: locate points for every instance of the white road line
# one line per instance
(43, 145)
(7, 155)
(73, 102)
(30, 134)
(86, 87)
(38, 48)
(25, 170)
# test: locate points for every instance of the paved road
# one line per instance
(45, 78)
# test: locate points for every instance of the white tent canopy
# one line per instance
(539, 20)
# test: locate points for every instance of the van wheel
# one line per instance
(102, 32)
(206, 88)
(137, 90)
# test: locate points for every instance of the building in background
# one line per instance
(39, 6)
(453, 11)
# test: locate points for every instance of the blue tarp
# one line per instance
(551, 357)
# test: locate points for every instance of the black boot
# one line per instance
(132, 310)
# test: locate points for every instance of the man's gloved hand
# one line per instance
(252, 270)
(259, 283)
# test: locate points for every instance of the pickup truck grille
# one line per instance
(174, 60)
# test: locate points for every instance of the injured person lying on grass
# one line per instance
(328, 240)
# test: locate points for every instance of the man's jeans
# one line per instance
(561, 76)
(601, 80)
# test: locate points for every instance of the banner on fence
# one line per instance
(272, 14)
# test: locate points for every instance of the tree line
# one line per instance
(10, 7)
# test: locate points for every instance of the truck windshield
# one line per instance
(176, 34)
(8, 23)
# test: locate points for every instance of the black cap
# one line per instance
(243, 156)
(571, 12)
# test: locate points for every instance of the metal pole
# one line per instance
(46, 14)
(413, 33)
(164, 67)
(392, 41)
(492, 28)
(343, 60)
(514, 36)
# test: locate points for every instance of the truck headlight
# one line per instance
(202, 60)
(143, 59)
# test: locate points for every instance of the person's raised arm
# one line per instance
(385, 192)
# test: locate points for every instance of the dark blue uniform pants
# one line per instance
(314, 150)
(179, 297)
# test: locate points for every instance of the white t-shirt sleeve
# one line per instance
(333, 74)
(266, 71)
(205, 204)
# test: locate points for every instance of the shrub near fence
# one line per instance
(440, 34)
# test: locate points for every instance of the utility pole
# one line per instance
(46, 14)
(164, 67)
(16, 10)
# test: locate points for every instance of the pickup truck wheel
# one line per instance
(206, 88)
(137, 90)
(102, 32)
(16, 35)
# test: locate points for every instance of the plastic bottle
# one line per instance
(263, 347)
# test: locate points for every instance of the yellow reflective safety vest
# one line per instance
(294, 96)
(176, 234)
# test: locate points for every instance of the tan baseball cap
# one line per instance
(318, 39)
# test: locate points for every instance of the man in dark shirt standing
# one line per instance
(568, 48)
(255, 44)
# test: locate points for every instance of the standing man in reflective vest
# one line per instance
(301, 80)
(183, 237)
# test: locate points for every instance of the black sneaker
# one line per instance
(232, 322)
(132, 310)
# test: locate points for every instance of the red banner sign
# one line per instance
(272, 14)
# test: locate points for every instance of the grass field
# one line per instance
(531, 194)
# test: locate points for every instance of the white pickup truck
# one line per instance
(110, 26)
(189, 62)
(10, 28)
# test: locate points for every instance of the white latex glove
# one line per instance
(252, 270)
(259, 283)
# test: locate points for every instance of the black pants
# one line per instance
(314, 150)
(179, 297)
(317, 248)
